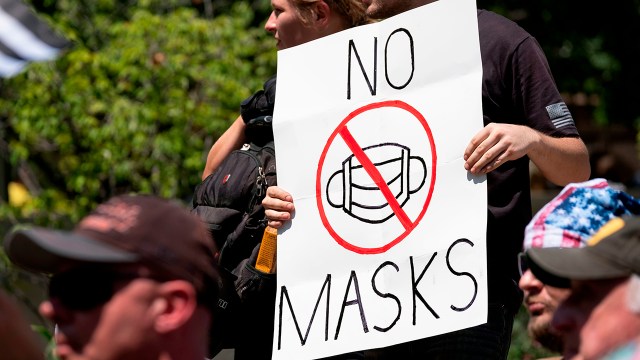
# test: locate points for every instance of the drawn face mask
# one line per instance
(353, 189)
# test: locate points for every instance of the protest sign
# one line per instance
(387, 243)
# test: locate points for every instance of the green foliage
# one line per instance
(47, 335)
(131, 108)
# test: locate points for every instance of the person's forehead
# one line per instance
(281, 3)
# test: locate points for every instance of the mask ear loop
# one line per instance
(633, 294)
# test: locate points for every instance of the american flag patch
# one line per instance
(560, 115)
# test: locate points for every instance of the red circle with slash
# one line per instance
(343, 131)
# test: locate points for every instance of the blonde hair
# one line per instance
(354, 11)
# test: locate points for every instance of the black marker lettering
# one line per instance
(414, 288)
(386, 59)
(303, 340)
(475, 283)
(386, 295)
(372, 88)
(353, 278)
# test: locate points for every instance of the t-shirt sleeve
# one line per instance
(536, 92)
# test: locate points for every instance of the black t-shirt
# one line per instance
(517, 88)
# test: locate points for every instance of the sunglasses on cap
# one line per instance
(523, 263)
(85, 289)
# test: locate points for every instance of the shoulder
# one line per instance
(496, 31)
(490, 21)
(270, 84)
(261, 103)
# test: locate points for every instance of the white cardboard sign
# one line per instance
(387, 243)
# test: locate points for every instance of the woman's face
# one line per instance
(287, 27)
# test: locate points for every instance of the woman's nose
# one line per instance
(270, 26)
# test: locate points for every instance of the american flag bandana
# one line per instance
(574, 215)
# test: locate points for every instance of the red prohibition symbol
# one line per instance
(343, 132)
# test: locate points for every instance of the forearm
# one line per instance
(17, 340)
(561, 160)
(232, 139)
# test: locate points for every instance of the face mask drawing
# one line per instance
(353, 190)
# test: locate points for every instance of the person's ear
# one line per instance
(175, 305)
(322, 12)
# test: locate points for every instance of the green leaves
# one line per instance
(136, 114)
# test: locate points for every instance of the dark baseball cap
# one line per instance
(126, 229)
(612, 252)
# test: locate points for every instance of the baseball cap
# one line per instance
(126, 229)
(576, 213)
(613, 252)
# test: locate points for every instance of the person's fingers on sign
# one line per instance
(497, 144)
(278, 205)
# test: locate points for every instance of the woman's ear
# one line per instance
(322, 12)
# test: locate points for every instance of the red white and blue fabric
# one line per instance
(576, 213)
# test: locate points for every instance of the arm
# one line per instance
(561, 160)
(232, 139)
(17, 340)
(278, 206)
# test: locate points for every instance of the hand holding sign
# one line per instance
(496, 144)
(278, 206)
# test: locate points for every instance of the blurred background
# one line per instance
(141, 89)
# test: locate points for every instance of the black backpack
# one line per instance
(229, 202)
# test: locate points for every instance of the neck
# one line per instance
(336, 24)
(400, 7)
(184, 345)
(182, 354)
(419, 3)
